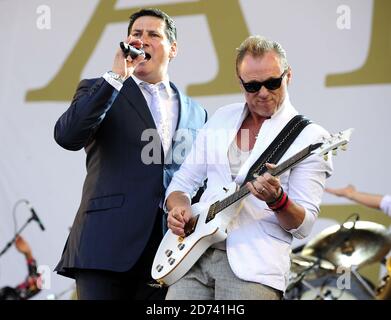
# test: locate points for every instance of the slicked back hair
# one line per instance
(170, 28)
(257, 46)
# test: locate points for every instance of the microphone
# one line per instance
(35, 216)
(131, 51)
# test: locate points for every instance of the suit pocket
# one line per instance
(275, 231)
(104, 203)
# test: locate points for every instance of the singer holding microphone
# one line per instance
(130, 109)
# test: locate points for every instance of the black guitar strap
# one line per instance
(278, 147)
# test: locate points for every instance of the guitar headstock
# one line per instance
(333, 143)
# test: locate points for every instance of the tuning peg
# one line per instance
(326, 157)
(334, 152)
(344, 147)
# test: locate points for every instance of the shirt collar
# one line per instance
(286, 104)
(285, 108)
(167, 87)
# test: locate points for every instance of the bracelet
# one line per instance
(285, 205)
(275, 201)
(281, 204)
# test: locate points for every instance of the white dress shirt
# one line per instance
(258, 248)
(169, 101)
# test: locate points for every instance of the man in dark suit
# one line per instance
(135, 139)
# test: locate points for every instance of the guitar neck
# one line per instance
(292, 161)
(243, 191)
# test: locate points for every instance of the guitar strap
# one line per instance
(278, 147)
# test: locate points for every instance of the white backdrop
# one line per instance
(33, 167)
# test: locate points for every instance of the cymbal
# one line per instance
(351, 244)
(310, 267)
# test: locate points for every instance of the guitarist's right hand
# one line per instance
(177, 218)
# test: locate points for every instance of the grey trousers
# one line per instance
(211, 278)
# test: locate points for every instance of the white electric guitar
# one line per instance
(176, 255)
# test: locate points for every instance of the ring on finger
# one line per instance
(256, 189)
(253, 184)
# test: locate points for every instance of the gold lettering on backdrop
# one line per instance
(227, 28)
(377, 67)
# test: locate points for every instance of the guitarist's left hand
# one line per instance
(266, 187)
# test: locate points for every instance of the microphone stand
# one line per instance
(9, 244)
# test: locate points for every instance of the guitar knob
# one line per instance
(159, 268)
(171, 261)
(168, 252)
(181, 246)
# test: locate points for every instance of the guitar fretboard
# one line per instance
(243, 191)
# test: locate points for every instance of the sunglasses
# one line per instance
(271, 84)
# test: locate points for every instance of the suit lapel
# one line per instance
(182, 116)
(182, 107)
(133, 94)
(231, 126)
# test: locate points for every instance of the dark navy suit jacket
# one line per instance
(121, 193)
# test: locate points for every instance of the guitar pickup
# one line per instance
(191, 225)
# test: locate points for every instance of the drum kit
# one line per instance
(327, 267)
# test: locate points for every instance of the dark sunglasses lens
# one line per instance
(252, 86)
(273, 84)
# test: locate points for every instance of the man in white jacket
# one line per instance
(254, 261)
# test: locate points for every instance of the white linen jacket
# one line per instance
(258, 248)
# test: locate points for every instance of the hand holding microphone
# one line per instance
(131, 51)
(128, 56)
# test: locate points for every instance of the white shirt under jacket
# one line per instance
(258, 248)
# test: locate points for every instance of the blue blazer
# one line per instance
(121, 193)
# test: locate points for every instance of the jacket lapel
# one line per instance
(232, 130)
(184, 116)
(182, 108)
(133, 94)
